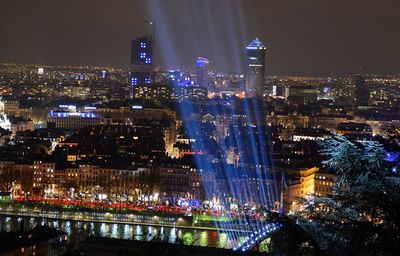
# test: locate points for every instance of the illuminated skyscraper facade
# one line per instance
(142, 61)
(202, 65)
(255, 74)
(361, 92)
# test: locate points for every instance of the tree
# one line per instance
(71, 183)
(26, 180)
(8, 178)
(362, 217)
(148, 182)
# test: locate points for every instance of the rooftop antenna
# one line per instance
(152, 23)
(360, 70)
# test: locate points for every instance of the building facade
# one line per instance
(361, 92)
(202, 65)
(255, 74)
(72, 120)
(142, 61)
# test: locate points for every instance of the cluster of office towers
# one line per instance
(142, 66)
(142, 69)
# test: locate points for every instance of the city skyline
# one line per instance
(199, 127)
(301, 38)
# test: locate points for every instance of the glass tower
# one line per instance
(255, 74)
(202, 65)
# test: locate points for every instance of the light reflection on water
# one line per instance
(55, 224)
(78, 231)
(172, 235)
(149, 236)
(115, 233)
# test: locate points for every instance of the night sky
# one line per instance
(301, 36)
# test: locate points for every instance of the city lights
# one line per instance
(199, 128)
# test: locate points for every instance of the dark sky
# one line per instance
(301, 36)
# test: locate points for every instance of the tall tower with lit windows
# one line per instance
(202, 65)
(142, 61)
(255, 73)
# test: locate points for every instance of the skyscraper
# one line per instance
(255, 74)
(142, 61)
(361, 92)
(202, 65)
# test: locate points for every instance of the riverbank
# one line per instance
(119, 216)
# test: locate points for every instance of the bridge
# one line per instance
(258, 236)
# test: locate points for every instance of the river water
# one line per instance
(79, 231)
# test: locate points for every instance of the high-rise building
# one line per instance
(202, 65)
(142, 61)
(255, 74)
(361, 92)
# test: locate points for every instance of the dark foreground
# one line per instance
(108, 246)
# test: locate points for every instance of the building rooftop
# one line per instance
(14, 240)
(351, 126)
(256, 44)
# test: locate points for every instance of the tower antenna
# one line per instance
(152, 23)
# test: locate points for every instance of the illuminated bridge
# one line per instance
(257, 237)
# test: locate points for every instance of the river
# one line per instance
(79, 231)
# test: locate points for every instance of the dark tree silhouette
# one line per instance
(362, 217)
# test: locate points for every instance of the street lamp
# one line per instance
(71, 190)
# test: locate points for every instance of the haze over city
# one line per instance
(302, 37)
